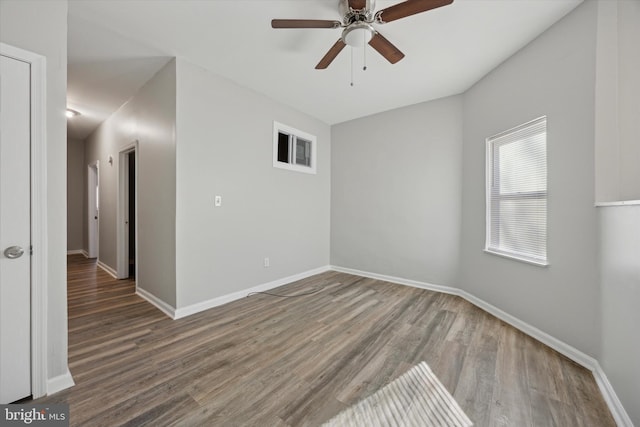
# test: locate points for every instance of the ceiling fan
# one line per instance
(357, 19)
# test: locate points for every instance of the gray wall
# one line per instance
(620, 265)
(618, 178)
(41, 27)
(607, 133)
(76, 194)
(553, 76)
(395, 194)
(617, 106)
(224, 147)
(628, 96)
(148, 117)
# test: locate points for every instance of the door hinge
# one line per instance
(31, 250)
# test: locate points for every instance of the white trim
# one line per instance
(224, 299)
(108, 269)
(560, 346)
(157, 302)
(536, 129)
(123, 207)
(205, 305)
(60, 382)
(76, 252)
(615, 406)
(398, 280)
(514, 256)
(39, 231)
(620, 203)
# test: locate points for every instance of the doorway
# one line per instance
(131, 213)
(127, 212)
(93, 209)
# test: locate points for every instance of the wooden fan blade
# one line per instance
(331, 55)
(357, 4)
(408, 8)
(386, 48)
(304, 23)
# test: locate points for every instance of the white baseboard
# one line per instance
(205, 305)
(559, 346)
(108, 269)
(615, 406)
(157, 302)
(398, 280)
(610, 396)
(60, 383)
(224, 299)
(76, 252)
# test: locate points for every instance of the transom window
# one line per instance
(293, 149)
(517, 193)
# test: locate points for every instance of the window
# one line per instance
(293, 149)
(517, 193)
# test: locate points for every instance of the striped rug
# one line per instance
(416, 398)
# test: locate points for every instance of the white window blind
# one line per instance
(517, 192)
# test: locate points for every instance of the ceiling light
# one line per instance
(71, 113)
(358, 34)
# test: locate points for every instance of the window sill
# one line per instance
(620, 203)
(518, 258)
(294, 168)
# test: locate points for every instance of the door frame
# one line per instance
(93, 234)
(122, 229)
(39, 248)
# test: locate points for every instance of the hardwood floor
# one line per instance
(269, 361)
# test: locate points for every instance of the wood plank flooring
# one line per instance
(269, 361)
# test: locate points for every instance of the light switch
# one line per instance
(217, 201)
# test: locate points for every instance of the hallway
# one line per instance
(106, 318)
(90, 290)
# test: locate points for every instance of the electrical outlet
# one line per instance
(266, 262)
(217, 201)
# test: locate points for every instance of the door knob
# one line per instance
(13, 252)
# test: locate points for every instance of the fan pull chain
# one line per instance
(364, 53)
(352, 67)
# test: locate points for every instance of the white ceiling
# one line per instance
(116, 46)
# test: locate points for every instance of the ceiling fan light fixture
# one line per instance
(358, 34)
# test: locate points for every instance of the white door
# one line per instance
(15, 226)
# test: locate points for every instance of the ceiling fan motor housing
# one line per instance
(351, 15)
